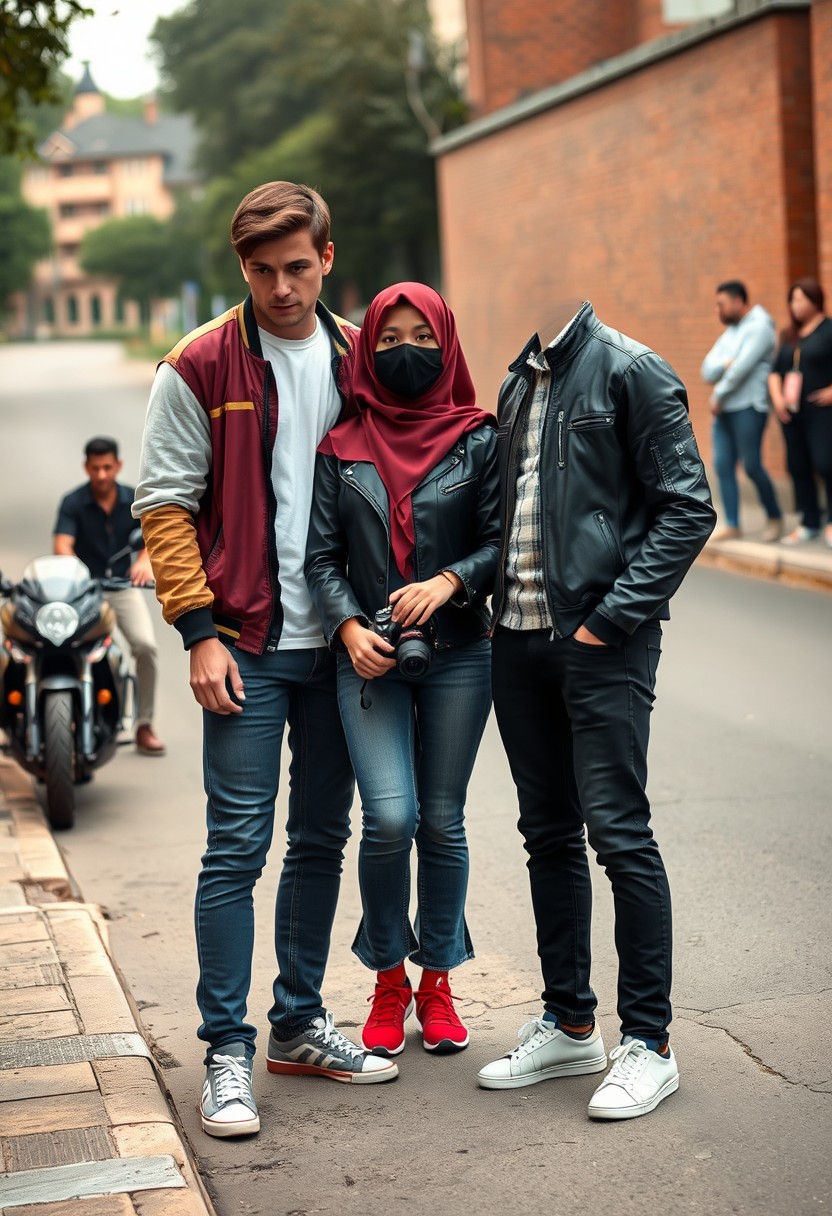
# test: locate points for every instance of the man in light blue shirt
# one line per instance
(738, 365)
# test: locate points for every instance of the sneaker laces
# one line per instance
(388, 1002)
(628, 1060)
(330, 1035)
(429, 998)
(528, 1035)
(231, 1079)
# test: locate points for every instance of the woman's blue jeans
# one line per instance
(413, 750)
(241, 756)
(738, 435)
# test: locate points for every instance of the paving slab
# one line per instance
(86, 1128)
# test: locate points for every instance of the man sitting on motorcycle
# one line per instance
(95, 521)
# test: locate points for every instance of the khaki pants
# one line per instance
(136, 624)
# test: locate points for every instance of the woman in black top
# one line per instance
(806, 411)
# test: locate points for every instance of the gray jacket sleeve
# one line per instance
(176, 447)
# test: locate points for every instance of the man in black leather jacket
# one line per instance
(605, 506)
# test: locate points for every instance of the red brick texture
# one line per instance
(640, 196)
(822, 82)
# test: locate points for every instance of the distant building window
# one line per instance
(49, 310)
(119, 309)
(101, 167)
(72, 310)
(66, 170)
(676, 12)
(136, 206)
(67, 210)
(102, 209)
(95, 309)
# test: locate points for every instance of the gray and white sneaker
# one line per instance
(227, 1106)
(543, 1054)
(322, 1051)
(637, 1082)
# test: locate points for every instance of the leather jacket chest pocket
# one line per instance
(584, 437)
(459, 488)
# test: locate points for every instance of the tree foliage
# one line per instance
(317, 91)
(149, 258)
(25, 234)
(33, 44)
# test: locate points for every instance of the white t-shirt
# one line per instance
(308, 406)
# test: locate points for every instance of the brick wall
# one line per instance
(520, 47)
(822, 81)
(641, 196)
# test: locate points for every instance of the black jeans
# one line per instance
(808, 437)
(575, 720)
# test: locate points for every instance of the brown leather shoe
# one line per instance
(147, 743)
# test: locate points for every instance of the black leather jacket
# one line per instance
(456, 522)
(625, 504)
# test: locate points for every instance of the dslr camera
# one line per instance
(413, 644)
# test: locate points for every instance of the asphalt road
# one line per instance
(741, 785)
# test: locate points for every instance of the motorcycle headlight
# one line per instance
(56, 622)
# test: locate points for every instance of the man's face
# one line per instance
(285, 277)
(102, 472)
(730, 309)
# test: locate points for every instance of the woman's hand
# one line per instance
(416, 603)
(821, 396)
(368, 652)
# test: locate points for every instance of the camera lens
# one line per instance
(414, 655)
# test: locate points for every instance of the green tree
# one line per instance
(318, 91)
(33, 44)
(25, 234)
(147, 257)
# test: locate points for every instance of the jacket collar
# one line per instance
(332, 324)
(566, 345)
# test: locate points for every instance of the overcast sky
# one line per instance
(115, 41)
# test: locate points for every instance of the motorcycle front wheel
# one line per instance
(59, 740)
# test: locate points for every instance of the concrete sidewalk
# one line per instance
(86, 1128)
(806, 565)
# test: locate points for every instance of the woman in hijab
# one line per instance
(402, 554)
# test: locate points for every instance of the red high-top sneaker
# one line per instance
(442, 1030)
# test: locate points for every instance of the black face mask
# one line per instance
(408, 370)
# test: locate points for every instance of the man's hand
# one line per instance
(583, 635)
(141, 573)
(370, 655)
(821, 396)
(715, 404)
(416, 603)
(211, 665)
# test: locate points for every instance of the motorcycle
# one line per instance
(65, 683)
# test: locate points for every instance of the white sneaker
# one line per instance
(637, 1082)
(227, 1106)
(544, 1052)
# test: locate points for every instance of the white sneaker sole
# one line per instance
(286, 1068)
(633, 1112)
(223, 1131)
(578, 1069)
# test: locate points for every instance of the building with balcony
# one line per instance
(97, 167)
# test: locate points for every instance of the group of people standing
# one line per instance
(751, 373)
(327, 512)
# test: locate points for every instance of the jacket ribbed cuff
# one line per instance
(604, 629)
(195, 626)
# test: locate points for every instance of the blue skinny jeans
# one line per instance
(241, 757)
(413, 751)
(738, 435)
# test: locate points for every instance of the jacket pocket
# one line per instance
(677, 460)
(459, 485)
(587, 421)
(609, 539)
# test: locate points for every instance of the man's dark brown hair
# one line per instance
(277, 209)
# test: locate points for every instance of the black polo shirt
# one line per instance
(97, 535)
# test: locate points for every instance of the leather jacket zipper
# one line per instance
(561, 460)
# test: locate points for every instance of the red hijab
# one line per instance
(405, 438)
